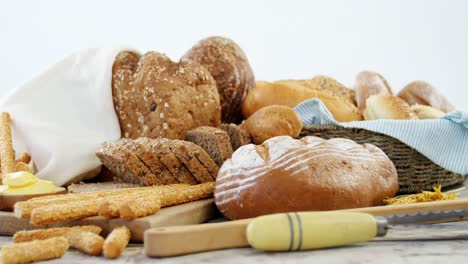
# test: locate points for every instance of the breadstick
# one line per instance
(116, 242)
(24, 209)
(141, 206)
(110, 207)
(33, 251)
(86, 242)
(20, 166)
(173, 196)
(24, 158)
(41, 234)
(168, 195)
(64, 212)
(6, 145)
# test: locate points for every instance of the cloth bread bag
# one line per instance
(62, 116)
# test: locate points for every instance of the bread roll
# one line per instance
(420, 92)
(285, 175)
(229, 66)
(387, 107)
(272, 121)
(426, 112)
(367, 84)
(291, 94)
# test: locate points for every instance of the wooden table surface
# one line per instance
(401, 245)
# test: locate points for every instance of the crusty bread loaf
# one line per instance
(272, 121)
(369, 83)
(291, 94)
(426, 112)
(387, 107)
(423, 93)
(156, 97)
(285, 175)
(229, 66)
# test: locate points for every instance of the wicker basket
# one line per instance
(415, 171)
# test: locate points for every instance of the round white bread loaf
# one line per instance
(285, 175)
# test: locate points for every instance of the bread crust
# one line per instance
(285, 175)
(229, 66)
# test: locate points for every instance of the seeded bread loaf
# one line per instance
(213, 140)
(230, 67)
(237, 134)
(156, 97)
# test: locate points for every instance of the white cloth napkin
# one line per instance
(64, 114)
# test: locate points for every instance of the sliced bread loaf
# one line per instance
(160, 148)
(141, 148)
(125, 165)
(187, 152)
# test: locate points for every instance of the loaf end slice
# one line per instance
(238, 135)
(213, 140)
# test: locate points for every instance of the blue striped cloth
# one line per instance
(444, 141)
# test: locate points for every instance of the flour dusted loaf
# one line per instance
(229, 66)
(284, 175)
(156, 97)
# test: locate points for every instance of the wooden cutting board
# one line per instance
(184, 214)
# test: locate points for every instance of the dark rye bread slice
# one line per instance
(125, 165)
(238, 135)
(187, 153)
(160, 148)
(141, 149)
(213, 140)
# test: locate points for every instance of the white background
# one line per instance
(402, 40)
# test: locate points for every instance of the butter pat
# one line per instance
(26, 183)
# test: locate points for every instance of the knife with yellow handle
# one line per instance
(285, 231)
(311, 230)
